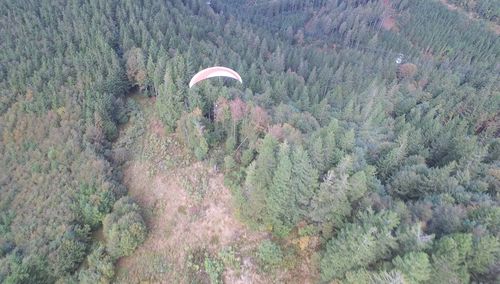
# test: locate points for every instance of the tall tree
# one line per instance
(280, 203)
(358, 245)
(304, 180)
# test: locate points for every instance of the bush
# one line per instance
(26, 270)
(270, 255)
(214, 268)
(124, 228)
(229, 258)
(71, 250)
(100, 267)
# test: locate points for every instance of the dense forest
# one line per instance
(372, 126)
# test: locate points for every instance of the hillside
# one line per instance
(362, 146)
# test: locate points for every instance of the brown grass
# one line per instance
(179, 223)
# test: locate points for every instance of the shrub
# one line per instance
(270, 255)
(214, 268)
(124, 228)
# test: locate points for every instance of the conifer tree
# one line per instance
(259, 178)
(266, 162)
(330, 204)
(415, 266)
(304, 180)
(279, 197)
(485, 253)
(190, 131)
(449, 259)
(359, 244)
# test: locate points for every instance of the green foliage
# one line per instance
(230, 258)
(136, 69)
(269, 255)
(190, 131)
(6, 218)
(26, 270)
(280, 195)
(412, 238)
(100, 267)
(266, 162)
(330, 206)
(358, 276)
(71, 250)
(358, 185)
(485, 253)
(202, 267)
(393, 277)
(303, 180)
(259, 179)
(318, 75)
(214, 268)
(94, 204)
(346, 142)
(415, 267)
(358, 245)
(449, 259)
(489, 10)
(124, 228)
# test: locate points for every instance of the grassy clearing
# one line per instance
(194, 236)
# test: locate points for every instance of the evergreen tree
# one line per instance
(259, 179)
(304, 180)
(190, 131)
(485, 253)
(171, 99)
(280, 203)
(449, 260)
(266, 162)
(330, 205)
(358, 245)
(415, 267)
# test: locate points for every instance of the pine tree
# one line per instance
(359, 244)
(485, 253)
(388, 164)
(190, 131)
(167, 104)
(347, 140)
(304, 181)
(357, 186)
(316, 153)
(136, 68)
(279, 197)
(266, 162)
(172, 99)
(449, 259)
(415, 266)
(259, 179)
(330, 204)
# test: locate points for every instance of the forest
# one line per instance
(365, 137)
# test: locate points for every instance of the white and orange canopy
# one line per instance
(216, 71)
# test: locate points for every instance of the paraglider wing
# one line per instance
(216, 71)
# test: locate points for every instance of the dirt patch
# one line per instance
(157, 127)
(388, 23)
(389, 16)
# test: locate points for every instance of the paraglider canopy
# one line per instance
(216, 71)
